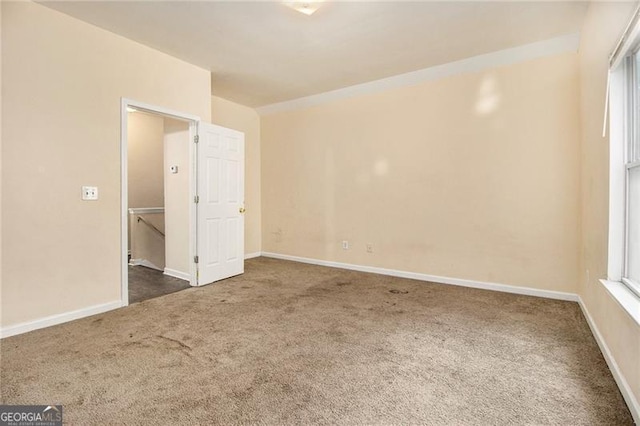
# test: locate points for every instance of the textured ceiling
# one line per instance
(261, 53)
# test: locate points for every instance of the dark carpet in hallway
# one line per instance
(289, 343)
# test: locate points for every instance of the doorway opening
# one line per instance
(158, 216)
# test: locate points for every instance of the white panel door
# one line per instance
(220, 208)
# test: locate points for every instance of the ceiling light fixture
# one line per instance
(306, 7)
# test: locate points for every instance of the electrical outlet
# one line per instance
(89, 193)
(369, 248)
(345, 245)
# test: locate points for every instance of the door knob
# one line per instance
(242, 210)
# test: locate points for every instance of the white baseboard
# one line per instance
(624, 387)
(252, 255)
(549, 294)
(24, 327)
(145, 263)
(177, 274)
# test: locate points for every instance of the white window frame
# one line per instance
(631, 158)
(621, 125)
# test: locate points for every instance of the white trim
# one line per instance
(505, 288)
(252, 255)
(145, 263)
(177, 274)
(146, 210)
(154, 109)
(624, 387)
(124, 212)
(24, 327)
(617, 175)
(193, 191)
(632, 165)
(626, 298)
(563, 44)
(124, 203)
(627, 40)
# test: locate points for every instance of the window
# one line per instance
(623, 274)
(631, 269)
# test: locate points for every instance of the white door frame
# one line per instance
(124, 214)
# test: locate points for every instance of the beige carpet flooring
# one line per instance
(289, 343)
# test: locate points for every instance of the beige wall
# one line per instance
(62, 81)
(176, 190)
(604, 24)
(145, 158)
(473, 176)
(238, 117)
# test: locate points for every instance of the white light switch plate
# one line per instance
(89, 193)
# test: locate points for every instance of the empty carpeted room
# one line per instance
(367, 212)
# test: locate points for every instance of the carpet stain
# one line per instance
(396, 291)
(131, 344)
(180, 343)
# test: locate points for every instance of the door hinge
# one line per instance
(196, 199)
(196, 259)
(196, 138)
